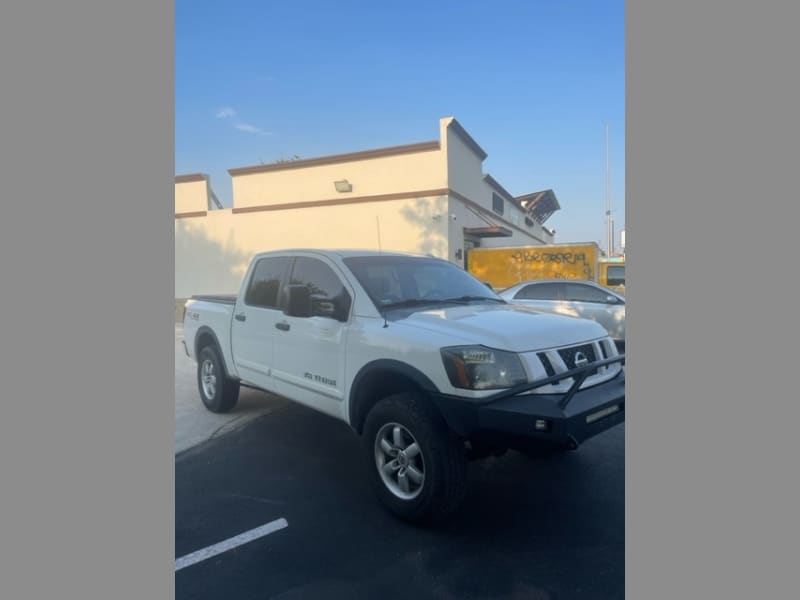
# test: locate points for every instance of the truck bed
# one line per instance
(221, 298)
(213, 313)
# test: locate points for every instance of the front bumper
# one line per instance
(568, 419)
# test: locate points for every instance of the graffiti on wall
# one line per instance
(549, 263)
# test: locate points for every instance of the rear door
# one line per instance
(254, 316)
(310, 353)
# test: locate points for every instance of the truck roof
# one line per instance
(349, 252)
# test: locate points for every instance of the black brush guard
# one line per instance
(564, 419)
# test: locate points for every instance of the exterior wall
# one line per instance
(423, 195)
(465, 177)
(401, 173)
(512, 216)
(191, 196)
(212, 252)
(464, 167)
(462, 215)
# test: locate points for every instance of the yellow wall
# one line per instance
(191, 196)
(212, 252)
(370, 177)
(504, 267)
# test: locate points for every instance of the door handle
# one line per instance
(240, 317)
(283, 326)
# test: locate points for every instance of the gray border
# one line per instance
(712, 129)
(87, 455)
(86, 251)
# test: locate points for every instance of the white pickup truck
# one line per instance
(421, 359)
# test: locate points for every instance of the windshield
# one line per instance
(405, 281)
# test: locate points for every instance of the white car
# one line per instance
(421, 359)
(573, 298)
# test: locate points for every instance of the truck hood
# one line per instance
(505, 327)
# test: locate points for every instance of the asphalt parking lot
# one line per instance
(542, 529)
(193, 423)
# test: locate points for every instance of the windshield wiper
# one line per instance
(426, 301)
(471, 298)
(409, 302)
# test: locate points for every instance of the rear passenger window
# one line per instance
(266, 279)
(540, 291)
(329, 298)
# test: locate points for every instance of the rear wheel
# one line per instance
(218, 392)
(416, 465)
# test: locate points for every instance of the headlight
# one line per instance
(481, 368)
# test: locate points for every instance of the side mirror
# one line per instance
(299, 301)
(322, 307)
(612, 300)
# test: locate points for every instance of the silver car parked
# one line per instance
(574, 298)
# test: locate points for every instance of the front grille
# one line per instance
(548, 367)
(568, 354)
(557, 361)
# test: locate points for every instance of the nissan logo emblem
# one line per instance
(581, 360)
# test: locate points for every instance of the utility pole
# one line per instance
(609, 220)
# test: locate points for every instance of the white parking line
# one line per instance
(230, 543)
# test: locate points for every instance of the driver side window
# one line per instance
(585, 293)
(329, 298)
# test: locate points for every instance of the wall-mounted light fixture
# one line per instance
(343, 186)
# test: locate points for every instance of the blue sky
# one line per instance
(534, 82)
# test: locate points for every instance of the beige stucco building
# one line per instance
(430, 197)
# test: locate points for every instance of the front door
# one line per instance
(310, 351)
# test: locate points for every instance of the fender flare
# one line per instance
(384, 364)
(203, 330)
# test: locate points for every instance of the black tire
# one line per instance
(441, 453)
(222, 396)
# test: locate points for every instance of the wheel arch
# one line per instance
(204, 337)
(381, 378)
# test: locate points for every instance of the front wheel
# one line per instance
(417, 466)
(219, 394)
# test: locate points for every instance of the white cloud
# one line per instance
(226, 112)
(247, 128)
